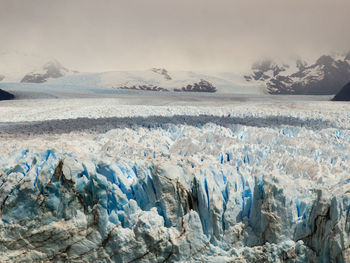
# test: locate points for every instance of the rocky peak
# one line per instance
(325, 60)
(265, 69)
(51, 70)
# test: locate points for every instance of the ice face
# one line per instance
(254, 187)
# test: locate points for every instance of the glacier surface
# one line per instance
(249, 182)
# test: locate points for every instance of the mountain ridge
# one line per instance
(326, 76)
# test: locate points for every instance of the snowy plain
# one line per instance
(147, 177)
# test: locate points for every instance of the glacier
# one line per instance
(250, 182)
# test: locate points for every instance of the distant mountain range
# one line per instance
(324, 77)
(162, 80)
(18, 67)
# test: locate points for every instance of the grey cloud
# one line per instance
(198, 34)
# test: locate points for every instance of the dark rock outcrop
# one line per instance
(343, 94)
(201, 86)
(144, 87)
(4, 95)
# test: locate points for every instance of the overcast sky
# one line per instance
(177, 34)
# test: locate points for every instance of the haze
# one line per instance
(191, 35)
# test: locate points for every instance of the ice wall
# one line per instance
(58, 208)
(226, 189)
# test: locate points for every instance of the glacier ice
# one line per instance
(241, 188)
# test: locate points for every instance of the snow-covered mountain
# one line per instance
(158, 79)
(17, 66)
(51, 70)
(324, 77)
(14, 65)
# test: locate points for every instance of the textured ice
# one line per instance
(177, 184)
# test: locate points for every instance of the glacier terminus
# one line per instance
(250, 181)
